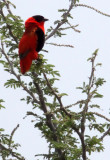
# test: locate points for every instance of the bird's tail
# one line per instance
(25, 63)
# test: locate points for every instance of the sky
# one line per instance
(71, 63)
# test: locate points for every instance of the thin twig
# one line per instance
(100, 115)
(74, 28)
(105, 134)
(74, 104)
(45, 155)
(61, 45)
(12, 134)
(67, 107)
(84, 5)
(90, 83)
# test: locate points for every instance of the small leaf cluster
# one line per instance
(94, 144)
(12, 83)
(1, 101)
(8, 147)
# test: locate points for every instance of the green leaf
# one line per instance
(56, 22)
(62, 10)
(94, 106)
(2, 130)
(63, 94)
(79, 88)
(12, 83)
(1, 101)
(100, 82)
(95, 53)
(97, 95)
(99, 64)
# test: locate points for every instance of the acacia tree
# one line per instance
(64, 129)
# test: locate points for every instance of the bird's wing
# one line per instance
(28, 43)
(23, 55)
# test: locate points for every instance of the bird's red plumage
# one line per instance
(28, 44)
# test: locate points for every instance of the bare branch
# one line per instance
(45, 155)
(84, 5)
(74, 27)
(78, 102)
(61, 45)
(105, 134)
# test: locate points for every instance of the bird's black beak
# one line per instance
(45, 19)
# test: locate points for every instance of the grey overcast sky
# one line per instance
(72, 64)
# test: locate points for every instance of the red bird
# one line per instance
(31, 42)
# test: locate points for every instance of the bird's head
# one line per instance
(36, 20)
(40, 19)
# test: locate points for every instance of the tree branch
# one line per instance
(85, 109)
(50, 124)
(65, 15)
(58, 98)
